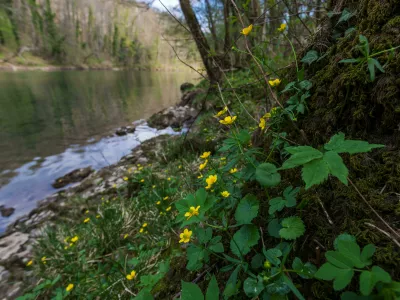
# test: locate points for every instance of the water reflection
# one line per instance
(52, 123)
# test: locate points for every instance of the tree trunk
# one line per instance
(212, 25)
(227, 42)
(213, 72)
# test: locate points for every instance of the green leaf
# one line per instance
(310, 57)
(290, 194)
(195, 256)
(278, 286)
(378, 65)
(305, 85)
(253, 287)
(231, 287)
(272, 255)
(338, 144)
(336, 166)
(352, 251)
(273, 228)
(247, 209)
(257, 261)
(305, 270)
(346, 15)
(349, 61)
(203, 235)
(339, 260)
(315, 172)
(341, 277)
(367, 253)
(144, 295)
(276, 204)
(364, 45)
(300, 74)
(293, 227)
(343, 237)
(267, 175)
(293, 288)
(191, 291)
(245, 238)
(300, 156)
(289, 87)
(217, 248)
(369, 279)
(371, 69)
(212, 290)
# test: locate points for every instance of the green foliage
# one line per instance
(292, 228)
(267, 175)
(310, 57)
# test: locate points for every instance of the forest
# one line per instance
(286, 183)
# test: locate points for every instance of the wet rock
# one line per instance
(6, 211)
(189, 96)
(74, 176)
(124, 130)
(15, 290)
(187, 85)
(12, 244)
(172, 117)
(4, 274)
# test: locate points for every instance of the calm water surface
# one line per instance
(52, 123)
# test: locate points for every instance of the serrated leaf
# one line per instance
(292, 228)
(191, 291)
(369, 279)
(290, 194)
(245, 238)
(195, 256)
(253, 287)
(315, 172)
(217, 248)
(336, 166)
(203, 235)
(338, 144)
(267, 175)
(352, 251)
(345, 16)
(300, 156)
(272, 255)
(212, 290)
(276, 204)
(247, 209)
(305, 85)
(310, 57)
(289, 87)
(305, 270)
(343, 237)
(273, 228)
(339, 260)
(341, 277)
(367, 253)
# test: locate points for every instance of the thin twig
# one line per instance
(326, 213)
(383, 232)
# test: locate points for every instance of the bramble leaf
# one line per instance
(315, 172)
(346, 15)
(336, 166)
(310, 57)
(290, 194)
(247, 209)
(267, 175)
(300, 156)
(292, 228)
(338, 144)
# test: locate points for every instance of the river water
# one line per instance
(54, 122)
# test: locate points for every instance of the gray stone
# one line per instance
(11, 244)
(15, 290)
(6, 211)
(4, 274)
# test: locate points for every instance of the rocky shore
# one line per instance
(18, 241)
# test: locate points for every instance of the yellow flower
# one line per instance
(200, 176)
(158, 202)
(275, 82)
(247, 30)
(282, 27)
(233, 171)
(87, 211)
(153, 186)
(44, 260)
(166, 198)
(168, 208)
(125, 236)
(169, 178)
(185, 236)
(221, 112)
(86, 220)
(131, 276)
(139, 165)
(179, 167)
(66, 248)
(228, 120)
(225, 194)
(142, 180)
(126, 178)
(203, 165)
(98, 217)
(211, 180)
(140, 169)
(144, 225)
(205, 154)
(29, 263)
(69, 287)
(262, 124)
(267, 115)
(192, 212)
(141, 230)
(75, 239)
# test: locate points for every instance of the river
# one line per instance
(54, 122)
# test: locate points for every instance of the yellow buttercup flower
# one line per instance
(142, 180)
(87, 211)
(69, 287)
(144, 225)
(169, 178)
(221, 112)
(225, 194)
(205, 154)
(192, 212)
(168, 208)
(282, 27)
(75, 239)
(185, 236)
(203, 165)
(29, 263)
(275, 82)
(228, 120)
(131, 276)
(86, 220)
(247, 30)
(44, 260)
(125, 236)
(126, 178)
(267, 115)
(233, 171)
(262, 124)
(98, 217)
(158, 202)
(200, 176)
(211, 180)
(166, 198)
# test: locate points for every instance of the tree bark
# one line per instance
(213, 72)
(227, 42)
(212, 25)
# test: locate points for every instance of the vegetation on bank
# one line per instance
(283, 189)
